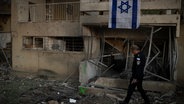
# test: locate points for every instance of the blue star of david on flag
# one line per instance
(124, 14)
(124, 7)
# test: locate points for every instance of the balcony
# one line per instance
(46, 12)
(153, 12)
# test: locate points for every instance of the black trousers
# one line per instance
(131, 89)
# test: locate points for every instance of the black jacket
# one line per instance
(138, 66)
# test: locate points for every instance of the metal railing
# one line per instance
(68, 11)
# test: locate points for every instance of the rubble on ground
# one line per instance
(35, 90)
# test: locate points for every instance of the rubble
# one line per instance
(35, 90)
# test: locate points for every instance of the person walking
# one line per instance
(137, 75)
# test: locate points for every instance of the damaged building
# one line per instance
(71, 37)
(46, 36)
(5, 33)
(42, 41)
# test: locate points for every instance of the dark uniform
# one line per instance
(138, 74)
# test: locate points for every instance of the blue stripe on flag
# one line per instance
(114, 10)
(134, 14)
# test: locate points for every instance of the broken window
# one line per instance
(74, 44)
(55, 44)
(65, 43)
(28, 42)
(38, 43)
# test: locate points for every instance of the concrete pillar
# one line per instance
(180, 66)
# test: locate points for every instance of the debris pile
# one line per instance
(35, 90)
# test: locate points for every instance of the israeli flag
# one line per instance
(124, 14)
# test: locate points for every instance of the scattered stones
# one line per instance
(35, 90)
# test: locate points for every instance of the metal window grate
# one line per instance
(73, 44)
(38, 42)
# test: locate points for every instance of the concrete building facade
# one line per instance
(57, 35)
(37, 31)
